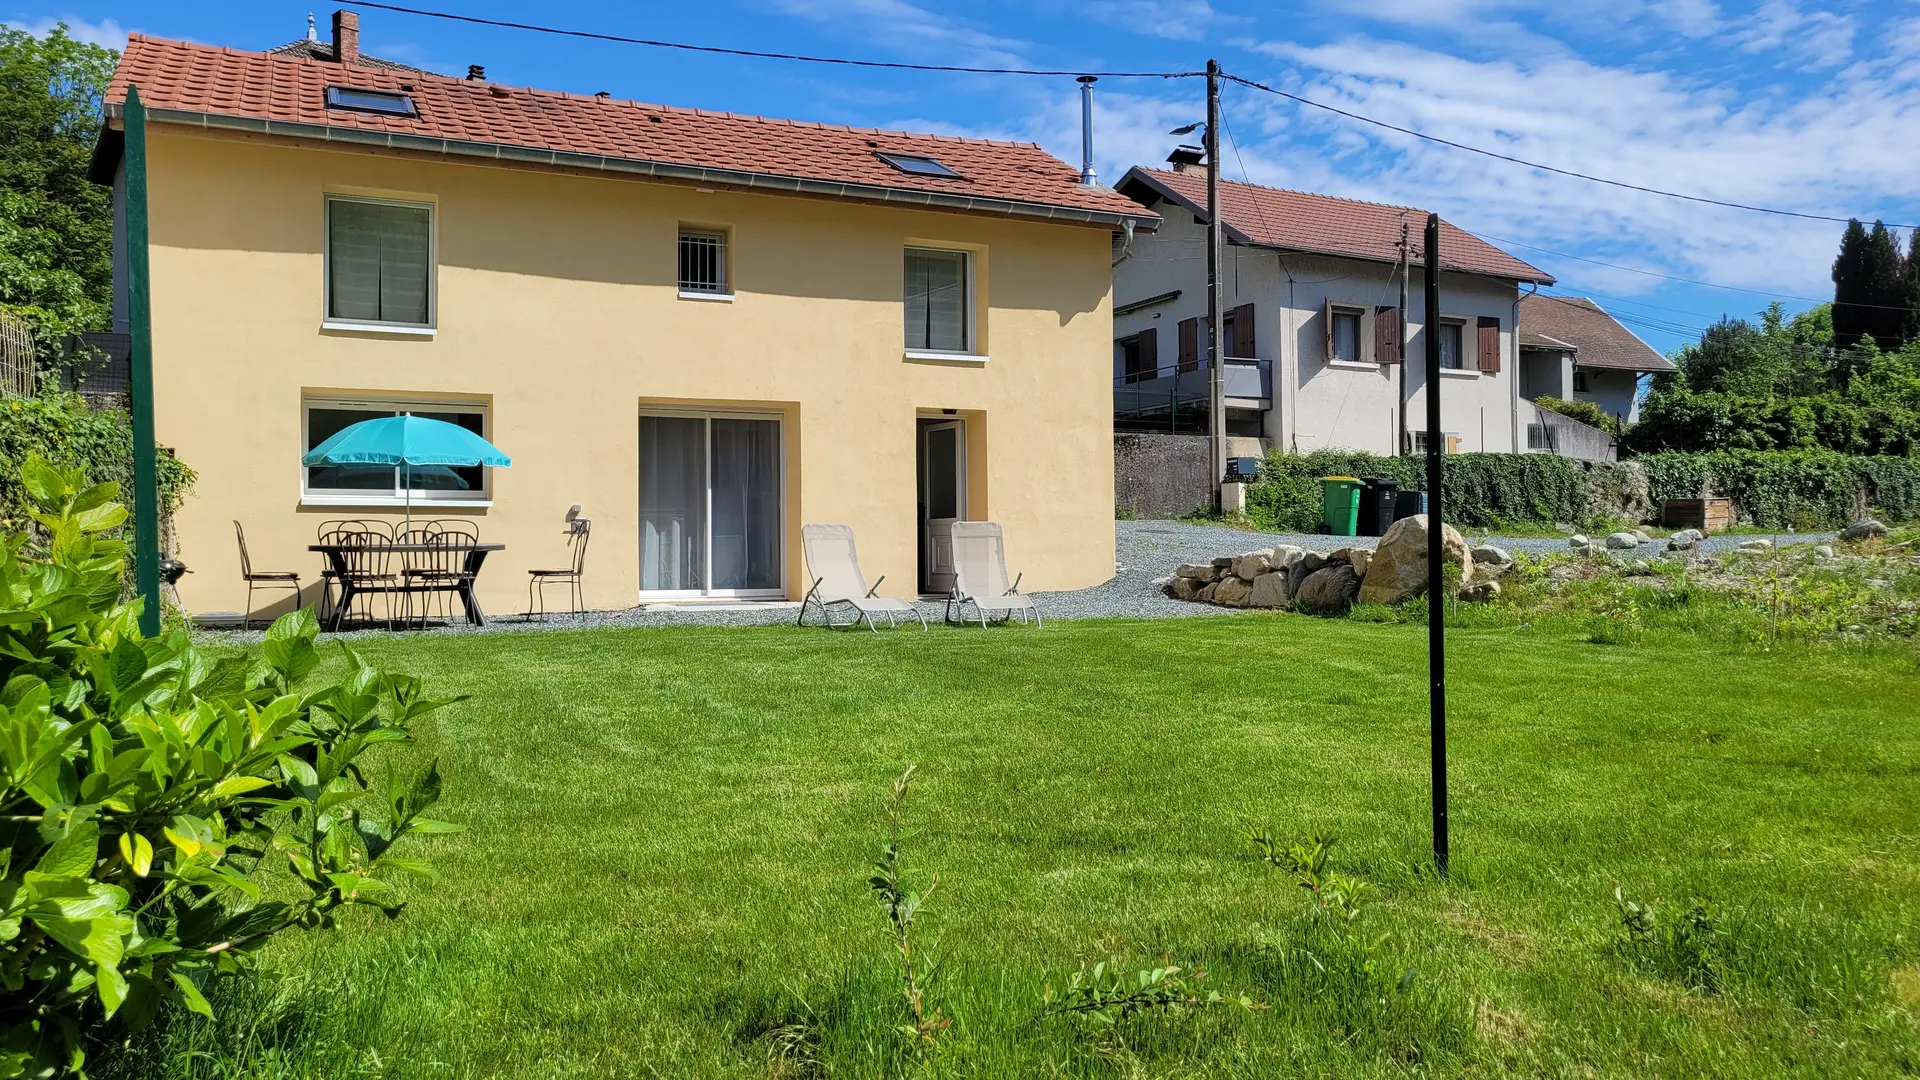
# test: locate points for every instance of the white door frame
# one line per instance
(924, 426)
(706, 537)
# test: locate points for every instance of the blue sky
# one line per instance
(1798, 105)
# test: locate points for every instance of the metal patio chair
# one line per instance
(260, 579)
(439, 570)
(574, 577)
(980, 575)
(329, 581)
(368, 561)
(834, 565)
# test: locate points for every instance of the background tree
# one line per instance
(1913, 286)
(56, 227)
(1884, 289)
(1849, 285)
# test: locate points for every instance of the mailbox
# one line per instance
(1243, 470)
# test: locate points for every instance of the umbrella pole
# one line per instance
(409, 496)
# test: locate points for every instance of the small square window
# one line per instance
(380, 262)
(387, 102)
(703, 261)
(917, 164)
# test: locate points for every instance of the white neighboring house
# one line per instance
(1312, 287)
(1570, 348)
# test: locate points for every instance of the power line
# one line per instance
(685, 47)
(1534, 164)
(1688, 281)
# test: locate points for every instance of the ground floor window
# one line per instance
(712, 501)
(322, 417)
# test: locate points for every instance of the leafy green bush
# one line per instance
(60, 427)
(1482, 490)
(1807, 489)
(164, 812)
(1584, 411)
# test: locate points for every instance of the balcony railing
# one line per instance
(1175, 399)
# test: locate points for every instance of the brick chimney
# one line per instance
(346, 37)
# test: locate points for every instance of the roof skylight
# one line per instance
(916, 164)
(385, 102)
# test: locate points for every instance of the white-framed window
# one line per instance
(387, 485)
(379, 263)
(939, 300)
(703, 262)
(1452, 337)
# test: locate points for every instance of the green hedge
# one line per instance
(1801, 489)
(1773, 489)
(1482, 490)
(61, 428)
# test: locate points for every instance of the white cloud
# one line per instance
(107, 32)
(1826, 151)
(917, 31)
(1822, 38)
(1178, 20)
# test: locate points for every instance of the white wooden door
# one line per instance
(943, 483)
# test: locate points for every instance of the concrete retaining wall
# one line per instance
(1167, 476)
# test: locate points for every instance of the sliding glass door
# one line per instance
(711, 506)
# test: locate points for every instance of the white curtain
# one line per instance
(379, 261)
(673, 500)
(936, 300)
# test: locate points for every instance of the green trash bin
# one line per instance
(1341, 506)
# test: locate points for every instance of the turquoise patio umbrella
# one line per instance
(406, 441)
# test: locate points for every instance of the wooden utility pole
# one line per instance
(1216, 349)
(146, 492)
(1436, 583)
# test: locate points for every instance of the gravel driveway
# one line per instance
(1144, 551)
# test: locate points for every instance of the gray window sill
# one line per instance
(1354, 365)
(941, 354)
(696, 294)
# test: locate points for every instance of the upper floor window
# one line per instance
(1450, 335)
(1346, 336)
(379, 262)
(703, 262)
(939, 301)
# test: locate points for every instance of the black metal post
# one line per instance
(1436, 591)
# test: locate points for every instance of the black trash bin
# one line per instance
(1378, 497)
(1409, 504)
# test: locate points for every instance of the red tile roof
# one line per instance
(1322, 224)
(1598, 338)
(274, 92)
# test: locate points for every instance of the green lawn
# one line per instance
(670, 833)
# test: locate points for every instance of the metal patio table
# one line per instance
(475, 555)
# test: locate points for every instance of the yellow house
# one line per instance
(701, 329)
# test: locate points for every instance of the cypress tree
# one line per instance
(1913, 286)
(1884, 289)
(1849, 273)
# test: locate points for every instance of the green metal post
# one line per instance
(146, 483)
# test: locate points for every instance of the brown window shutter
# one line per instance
(1189, 344)
(1243, 332)
(1489, 344)
(1386, 335)
(1150, 351)
(1326, 323)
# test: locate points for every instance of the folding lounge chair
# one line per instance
(980, 575)
(834, 566)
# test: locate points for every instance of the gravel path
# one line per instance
(1144, 552)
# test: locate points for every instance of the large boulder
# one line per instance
(1398, 570)
(1480, 592)
(1201, 573)
(1286, 555)
(1270, 590)
(1252, 564)
(1622, 541)
(1232, 592)
(1689, 536)
(1329, 590)
(1185, 588)
(1861, 530)
(1490, 559)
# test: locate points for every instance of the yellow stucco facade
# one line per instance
(557, 308)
